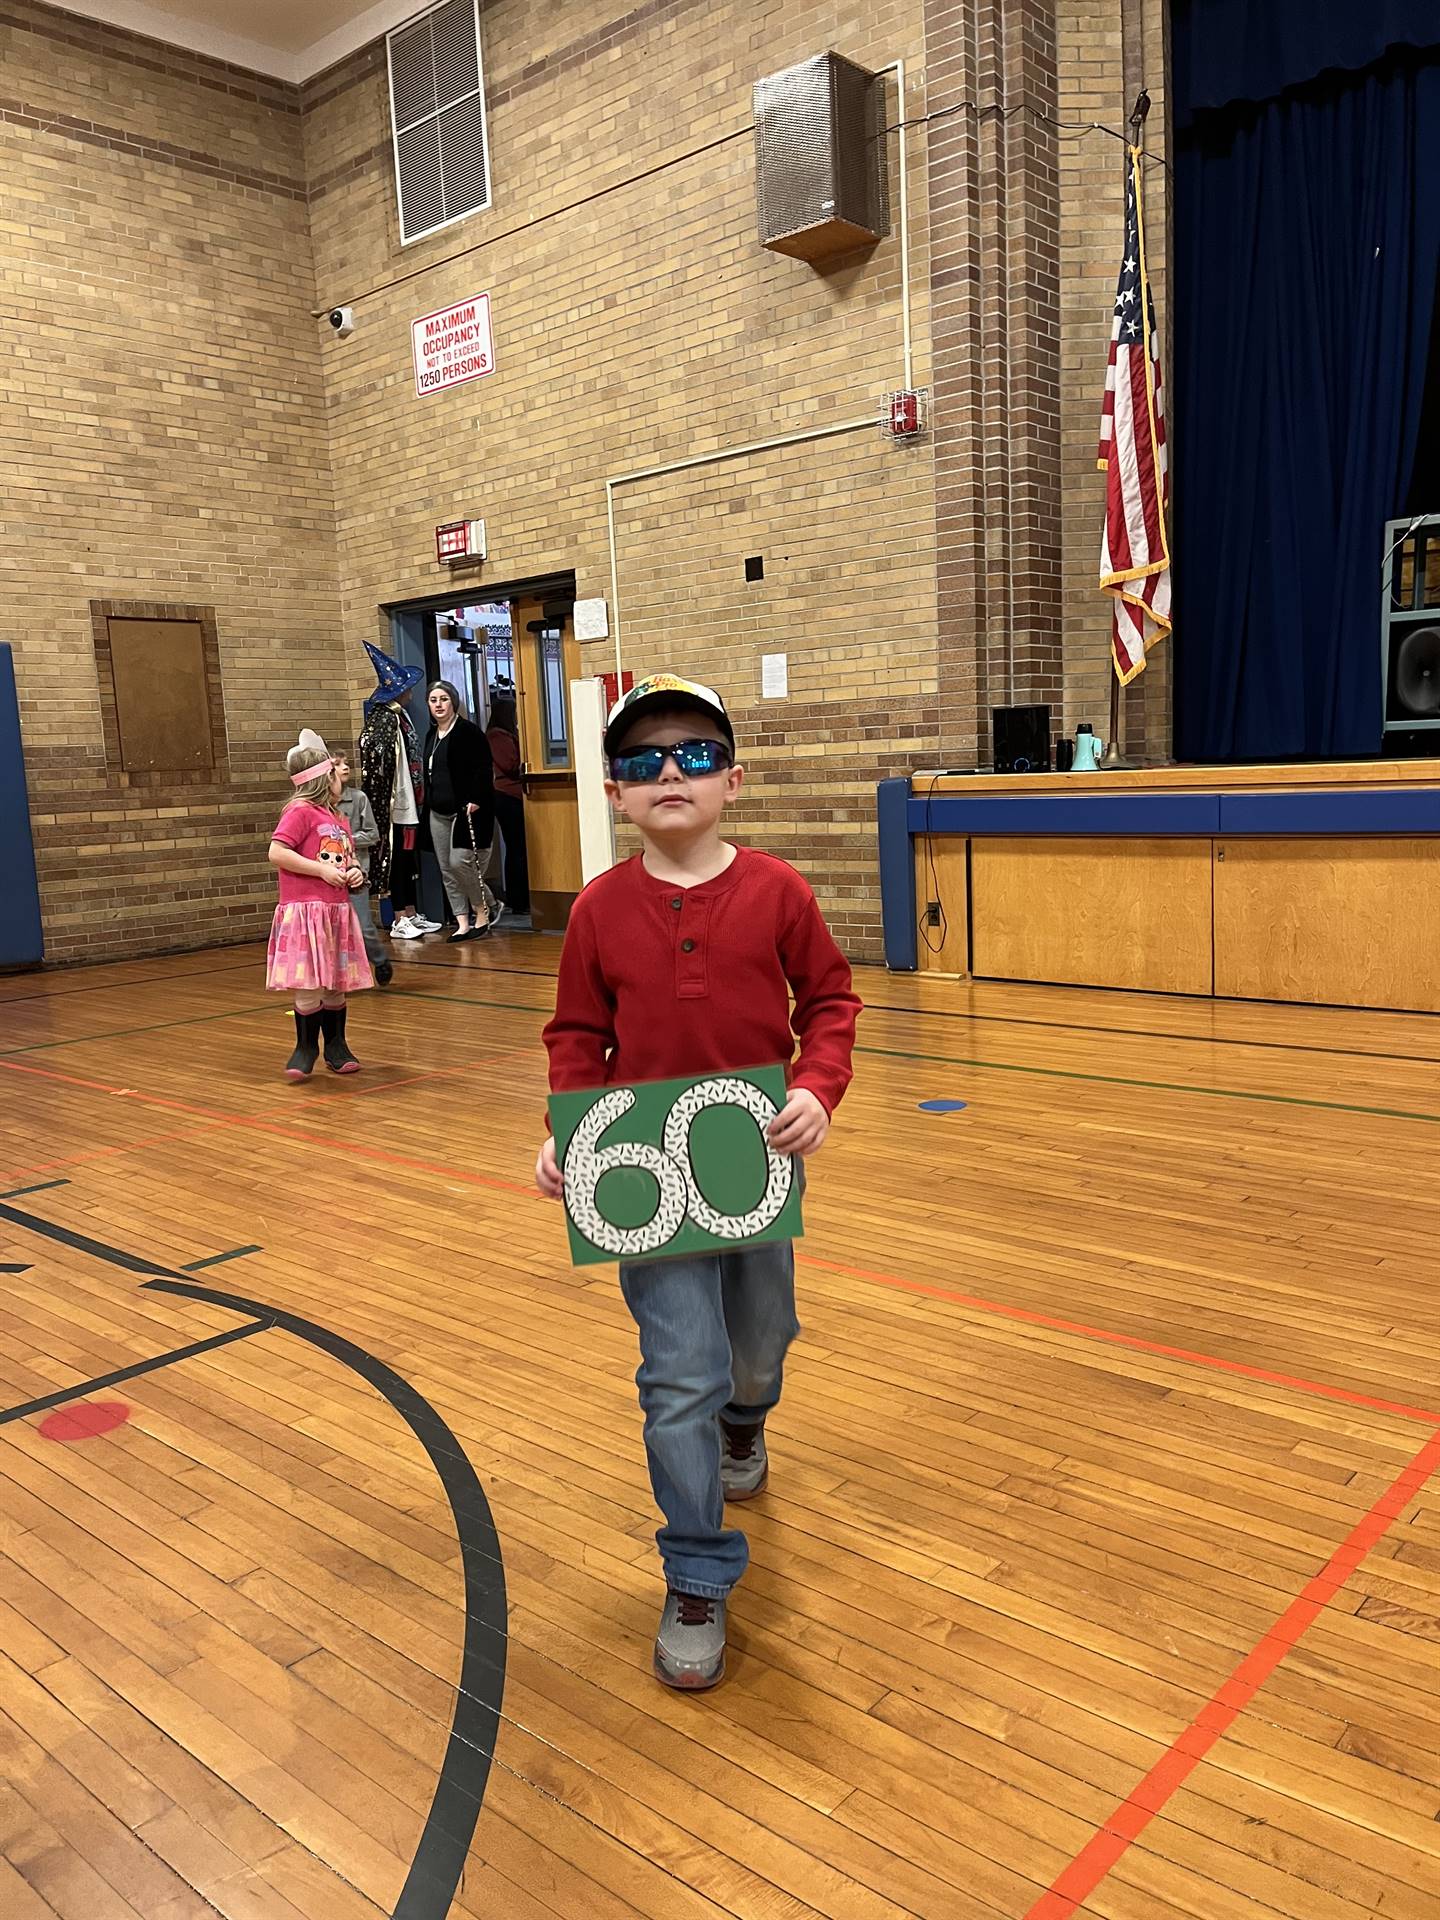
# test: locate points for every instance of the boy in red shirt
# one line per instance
(681, 961)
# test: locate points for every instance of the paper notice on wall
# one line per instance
(453, 345)
(774, 676)
(592, 620)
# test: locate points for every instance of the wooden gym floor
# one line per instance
(1100, 1572)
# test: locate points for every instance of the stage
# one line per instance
(1293, 883)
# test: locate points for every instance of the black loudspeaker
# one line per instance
(1410, 635)
(1021, 736)
(820, 158)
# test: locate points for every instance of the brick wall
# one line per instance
(1108, 50)
(172, 223)
(994, 285)
(1027, 210)
(638, 322)
(163, 441)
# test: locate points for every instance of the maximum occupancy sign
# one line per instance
(675, 1167)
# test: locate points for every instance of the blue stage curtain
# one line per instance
(1306, 234)
(1224, 51)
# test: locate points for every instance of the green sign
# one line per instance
(675, 1167)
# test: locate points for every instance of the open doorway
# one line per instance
(511, 652)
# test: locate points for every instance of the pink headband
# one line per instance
(312, 773)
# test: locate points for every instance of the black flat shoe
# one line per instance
(462, 933)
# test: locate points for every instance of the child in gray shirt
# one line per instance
(360, 817)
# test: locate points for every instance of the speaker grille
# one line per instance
(820, 158)
(1417, 673)
(1410, 633)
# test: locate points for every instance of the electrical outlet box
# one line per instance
(932, 914)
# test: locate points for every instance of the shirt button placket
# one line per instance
(690, 977)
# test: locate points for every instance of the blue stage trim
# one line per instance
(1335, 812)
(1097, 815)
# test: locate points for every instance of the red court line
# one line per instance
(105, 1153)
(1102, 1853)
(252, 1123)
(1028, 1316)
(1130, 1819)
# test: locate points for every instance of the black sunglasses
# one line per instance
(692, 757)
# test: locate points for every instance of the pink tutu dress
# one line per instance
(316, 945)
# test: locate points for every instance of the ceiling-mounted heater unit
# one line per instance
(820, 158)
(1410, 635)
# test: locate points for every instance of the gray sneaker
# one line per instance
(690, 1646)
(744, 1463)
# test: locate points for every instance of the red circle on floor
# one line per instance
(86, 1420)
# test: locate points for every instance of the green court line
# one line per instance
(1049, 1073)
(886, 1053)
(246, 1013)
(1155, 1086)
(125, 1033)
(464, 1000)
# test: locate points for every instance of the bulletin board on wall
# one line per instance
(162, 703)
(161, 699)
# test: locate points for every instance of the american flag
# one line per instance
(1134, 553)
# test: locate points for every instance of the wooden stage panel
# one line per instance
(1096, 913)
(1099, 1376)
(1341, 922)
(941, 874)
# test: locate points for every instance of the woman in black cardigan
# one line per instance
(460, 800)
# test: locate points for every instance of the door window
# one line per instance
(555, 727)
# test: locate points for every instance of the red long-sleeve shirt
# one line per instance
(659, 982)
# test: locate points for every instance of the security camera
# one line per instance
(342, 319)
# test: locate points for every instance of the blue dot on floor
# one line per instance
(942, 1106)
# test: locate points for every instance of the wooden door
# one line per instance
(547, 659)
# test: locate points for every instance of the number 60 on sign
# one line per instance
(675, 1167)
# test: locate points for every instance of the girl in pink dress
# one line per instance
(316, 952)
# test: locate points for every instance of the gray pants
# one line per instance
(374, 945)
(464, 889)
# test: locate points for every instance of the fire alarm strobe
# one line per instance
(905, 414)
(458, 541)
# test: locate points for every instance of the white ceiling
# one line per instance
(291, 39)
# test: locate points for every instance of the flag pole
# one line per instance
(1113, 756)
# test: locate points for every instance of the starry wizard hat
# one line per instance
(395, 681)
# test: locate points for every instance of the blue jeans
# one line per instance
(714, 1330)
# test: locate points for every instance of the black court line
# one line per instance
(84, 1387)
(67, 1237)
(12, 1266)
(218, 1259)
(444, 1843)
(41, 1186)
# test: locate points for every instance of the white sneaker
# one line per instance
(425, 926)
(406, 930)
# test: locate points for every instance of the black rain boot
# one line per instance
(307, 1046)
(338, 1056)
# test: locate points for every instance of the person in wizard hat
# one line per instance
(393, 783)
